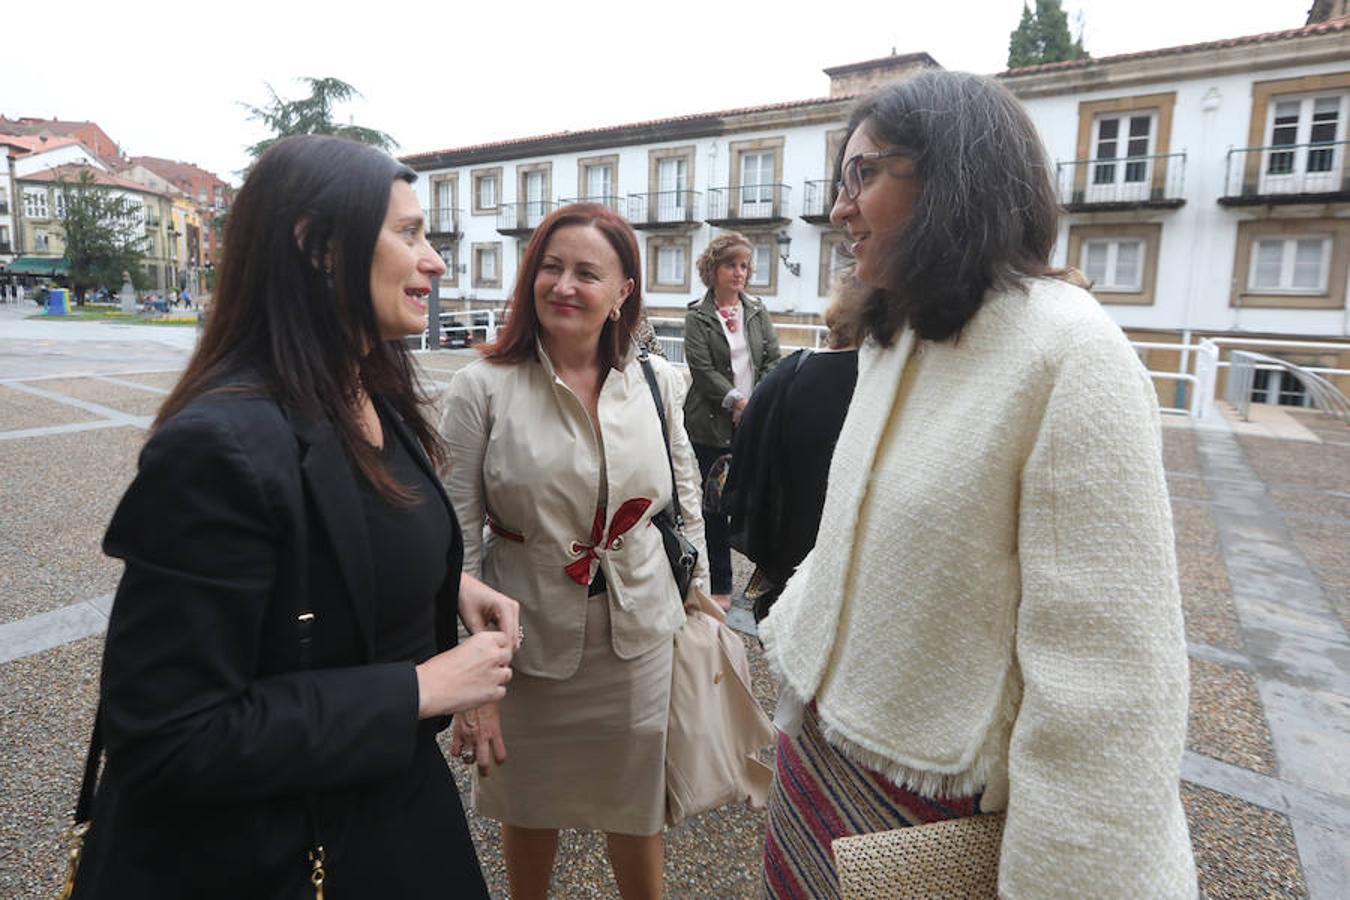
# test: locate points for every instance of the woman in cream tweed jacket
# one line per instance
(991, 609)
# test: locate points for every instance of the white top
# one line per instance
(742, 369)
(992, 600)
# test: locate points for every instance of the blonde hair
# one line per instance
(718, 251)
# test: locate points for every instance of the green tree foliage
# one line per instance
(104, 236)
(312, 115)
(1043, 36)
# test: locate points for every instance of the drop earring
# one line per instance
(614, 314)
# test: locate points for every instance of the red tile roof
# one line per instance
(174, 170)
(73, 172)
(35, 143)
(613, 129)
(1330, 26)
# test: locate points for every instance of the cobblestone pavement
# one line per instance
(1261, 527)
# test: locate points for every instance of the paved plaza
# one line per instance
(1262, 517)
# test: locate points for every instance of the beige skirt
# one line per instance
(587, 751)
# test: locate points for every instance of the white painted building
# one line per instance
(1207, 187)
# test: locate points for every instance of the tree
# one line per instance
(1043, 36)
(104, 235)
(312, 115)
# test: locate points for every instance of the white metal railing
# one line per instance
(1242, 375)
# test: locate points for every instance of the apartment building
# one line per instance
(1206, 189)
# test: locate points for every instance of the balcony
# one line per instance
(519, 219)
(817, 200)
(1287, 173)
(443, 223)
(664, 210)
(1125, 183)
(613, 204)
(151, 222)
(748, 205)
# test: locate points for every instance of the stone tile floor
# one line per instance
(1265, 820)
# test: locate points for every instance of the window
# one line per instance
(763, 264)
(755, 169)
(4, 238)
(59, 196)
(1303, 153)
(35, 203)
(834, 260)
(668, 263)
(534, 187)
(1121, 260)
(1113, 265)
(1290, 265)
(41, 240)
(443, 203)
(487, 265)
(449, 254)
(598, 177)
(757, 178)
(444, 195)
(670, 183)
(485, 185)
(1121, 147)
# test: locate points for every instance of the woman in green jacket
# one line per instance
(729, 345)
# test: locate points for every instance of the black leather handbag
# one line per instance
(680, 551)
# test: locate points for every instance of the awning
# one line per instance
(39, 265)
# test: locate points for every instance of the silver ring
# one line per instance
(520, 635)
(466, 756)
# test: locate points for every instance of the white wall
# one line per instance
(57, 156)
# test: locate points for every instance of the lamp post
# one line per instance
(784, 242)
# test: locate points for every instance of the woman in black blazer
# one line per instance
(281, 651)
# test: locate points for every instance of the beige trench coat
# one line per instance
(525, 460)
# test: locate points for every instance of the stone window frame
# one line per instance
(654, 157)
(1149, 232)
(1265, 92)
(529, 169)
(1162, 105)
(1251, 230)
(828, 241)
(769, 238)
(451, 276)
(654, 245)
(589, 162)
(738, 149)
(476, 251)
(835, 139)
(41, 205)
(477, 175)
(433, 183)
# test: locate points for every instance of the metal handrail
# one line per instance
(442, 220)
(817, 197)
(523, 214)
(1161, 178)
(1278, 169)
(664, 207)
(1242, 374)
(749, 202)
(612, 202)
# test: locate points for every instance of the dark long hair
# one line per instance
(986, 216)
(292, 299)
(517, 339)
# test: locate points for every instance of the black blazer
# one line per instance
(240, 518)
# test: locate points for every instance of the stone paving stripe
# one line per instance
(1295, 801)
(1326, 852)
(47, 430)
(1210, 653)
(45, 631)
(97, 409)
(148, 388)
(62, 376)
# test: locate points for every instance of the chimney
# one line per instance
(860, 77)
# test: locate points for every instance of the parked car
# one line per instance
(457, 331)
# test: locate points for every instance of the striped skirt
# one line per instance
(819, 795)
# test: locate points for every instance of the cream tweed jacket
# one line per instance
(992, 601)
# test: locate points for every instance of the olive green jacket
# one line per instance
(708, 356)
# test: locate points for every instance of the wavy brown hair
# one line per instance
(516, 341)
(986, 216)
(292, 300)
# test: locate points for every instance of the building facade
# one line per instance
(1206, 189)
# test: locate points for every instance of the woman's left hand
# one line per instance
(481, 606)
(477, 738)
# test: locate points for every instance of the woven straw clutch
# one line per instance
(957, 858)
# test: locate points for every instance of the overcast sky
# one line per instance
(166, 78)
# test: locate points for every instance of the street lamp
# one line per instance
(784, 242)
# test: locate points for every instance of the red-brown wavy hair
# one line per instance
(516, 340)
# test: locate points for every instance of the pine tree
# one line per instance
(1043, 36)
(312, 115)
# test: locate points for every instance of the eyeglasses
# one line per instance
(851, 184)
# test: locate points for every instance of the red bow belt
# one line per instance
(628, 514)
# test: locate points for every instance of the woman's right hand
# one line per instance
(466, 676)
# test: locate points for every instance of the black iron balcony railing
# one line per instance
(1291, 173)
(1127, 182)
(443, 221)
(4, 207)
(664, 209)
(817, 198)
(748, 204)
(521, 218)
(151, 222)
(615, 204)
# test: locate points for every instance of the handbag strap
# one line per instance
(646, 362)
(84, 805)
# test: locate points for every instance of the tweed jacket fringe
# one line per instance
(992, 602)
